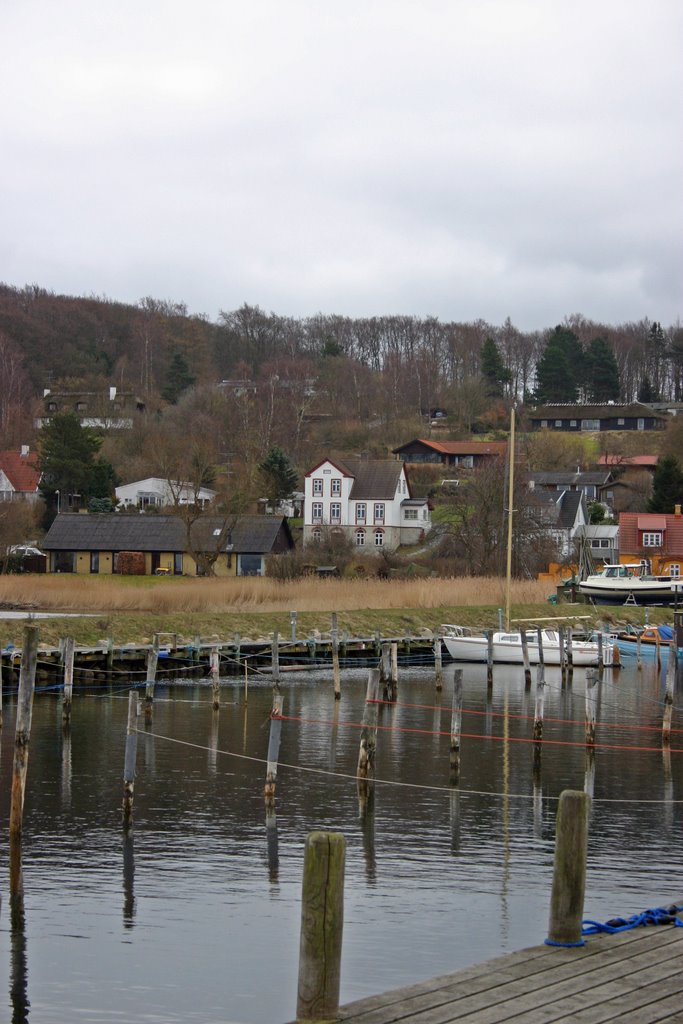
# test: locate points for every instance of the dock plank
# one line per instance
(633, 976)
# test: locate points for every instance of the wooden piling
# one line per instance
(541, 654)
(563, 654)
(215, 672)
(591, 683)
(275, 660)
(152, 661)
(669, 695)
(570, 653)
(22, 734)
(639, 659)
(525, 658)
(569, 870)
(489, 659)
(456, 726)
(336, 672)
(130, 757)
(0, 691)
(601, 653)
(438, 664)
(538, 709)
(368, 736)
(322, 920)
(394, 670)
(69, 645)
(273, 750)
(385, 671)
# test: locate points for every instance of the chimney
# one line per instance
(25, 450)
(112, 393)
(677, 510)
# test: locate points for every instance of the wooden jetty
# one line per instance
(634, 976)
(104, 662)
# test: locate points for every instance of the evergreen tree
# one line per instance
(667, 486)
(493, 369)
(560, 370)
(178, 378)
(279, 475)
(646, 392)
(70, 465)
(602, 372)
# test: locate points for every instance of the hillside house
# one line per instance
(93, 543)
(108, 409)
(453, 454)
(595, 485)
(19, 475)
(156, 492)
(564, 517)
(632, 477)
(654, 538)
(635, 416)
(367, 500)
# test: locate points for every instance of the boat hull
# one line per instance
(509, 651)
(659, 594)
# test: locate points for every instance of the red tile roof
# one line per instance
(21, 470)
(465, 447)
(631, 525)
(628, 460)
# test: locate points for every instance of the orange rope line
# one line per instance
(479, 736)
(521, 718)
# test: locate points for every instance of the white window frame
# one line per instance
(317, 511)
(335, 486)
(317, 486)
(335, 512)
(378, 512)
(379, 538)
(410, 513)
(652, 538)
(675, 570)
(360, 538)
(361, 512)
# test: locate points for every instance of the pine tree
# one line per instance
(178, 378)
(493, 369)
(667, 485)
(70, 465)
(279, 475)
(602, 372)
(560, 370)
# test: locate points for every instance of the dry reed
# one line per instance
(215, 595)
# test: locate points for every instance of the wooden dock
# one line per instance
(633, 976)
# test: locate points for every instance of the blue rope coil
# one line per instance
(656, 915)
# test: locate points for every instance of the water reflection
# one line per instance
(456, 874)
(18, 952)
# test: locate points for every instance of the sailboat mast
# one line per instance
(511, 487)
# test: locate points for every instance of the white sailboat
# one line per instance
(464, 645)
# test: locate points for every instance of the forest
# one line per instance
(234, 388)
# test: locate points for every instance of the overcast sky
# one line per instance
(460, 158)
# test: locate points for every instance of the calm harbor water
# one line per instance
(195, 917)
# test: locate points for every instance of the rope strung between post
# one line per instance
(656, 915)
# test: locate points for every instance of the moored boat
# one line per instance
(628, 584)
(463, 645)
(648, 642)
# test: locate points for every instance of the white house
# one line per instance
(369, 500)
(156, 491)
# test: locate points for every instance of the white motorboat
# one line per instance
(463, 645)
(629, 584)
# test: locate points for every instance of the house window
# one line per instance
(178, 562)
(558, 423)
(379, 512)
(641, 423)
(94, 561)
(544, 423)
(361, 511)
(317, 534)
(335, 512)
(317, 486)
(317, 511)
(590, 424)
(379, 538)
(572, 423)
(52, 407)
(620, 421)
(335, 486)
(410, 513)
(652, 540)
(675, 569)
(81, 406)
(249, 565)
(360, 538)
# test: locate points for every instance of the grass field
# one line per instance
(133, 608)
